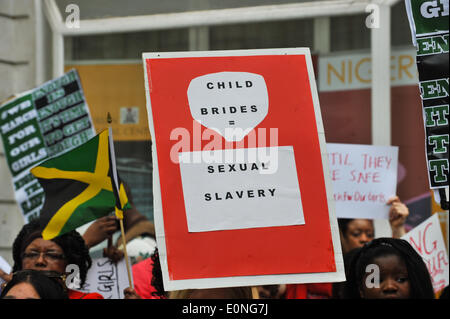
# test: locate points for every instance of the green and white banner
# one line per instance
(38, 124)
(427, 17)
(429, 28)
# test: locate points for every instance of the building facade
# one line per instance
(362, 50)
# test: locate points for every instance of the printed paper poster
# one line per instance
(242, 194)
(38, 124)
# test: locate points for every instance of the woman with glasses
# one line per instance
(34, 284)
(32, 252)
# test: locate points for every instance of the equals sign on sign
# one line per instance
(231, 122)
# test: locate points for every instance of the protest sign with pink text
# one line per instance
(428, 241)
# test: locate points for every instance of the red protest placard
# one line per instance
(226, 219)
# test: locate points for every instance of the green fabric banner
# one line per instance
(429, 22)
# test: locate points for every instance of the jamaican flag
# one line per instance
(80, 187)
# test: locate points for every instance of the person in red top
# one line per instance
(142, 279)
(74, 294)
(31, 251)
(147, 279)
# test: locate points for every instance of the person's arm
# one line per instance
(100, 230)
(398, 213)
(112, 252)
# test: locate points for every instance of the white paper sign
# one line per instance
(428, 241)
(364, 178)
(5, 267)
(239, 194)
(107, 278)
(228, 100)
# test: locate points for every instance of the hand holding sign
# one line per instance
(397, 216)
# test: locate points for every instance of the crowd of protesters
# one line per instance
(39, 265)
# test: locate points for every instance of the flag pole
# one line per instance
(124, 244)
(116, 186)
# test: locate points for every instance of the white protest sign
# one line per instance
(364, 178)
(239, 195)
(5, 267)
(428, 241)
(107, 278)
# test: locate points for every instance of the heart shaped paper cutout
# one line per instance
(230, 103)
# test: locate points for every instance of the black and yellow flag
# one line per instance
(78, 187)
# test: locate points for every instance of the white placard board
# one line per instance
(209, 193)
(107, 278)
(5, 267)
(364, 178)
